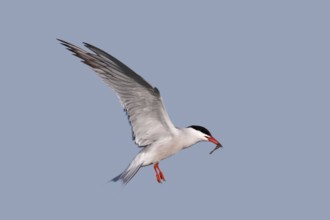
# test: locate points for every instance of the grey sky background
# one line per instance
(255, 73)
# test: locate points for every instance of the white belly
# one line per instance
(157, 152)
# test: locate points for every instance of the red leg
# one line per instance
(159, 174)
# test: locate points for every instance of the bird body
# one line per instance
(152, 128)
(166, 147)
(162, 149)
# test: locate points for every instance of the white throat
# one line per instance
(190, 136)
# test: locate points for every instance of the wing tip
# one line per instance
(63, 42)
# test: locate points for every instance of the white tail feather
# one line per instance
(130, 171)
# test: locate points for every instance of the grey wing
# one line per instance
(142, 102)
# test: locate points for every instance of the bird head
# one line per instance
(206, 135)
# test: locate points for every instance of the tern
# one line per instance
(152, 129)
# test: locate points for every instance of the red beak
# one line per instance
(213, 140)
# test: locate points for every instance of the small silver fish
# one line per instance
(216, 147)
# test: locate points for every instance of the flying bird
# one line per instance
(152, 129)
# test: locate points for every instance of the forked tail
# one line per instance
(130, 171)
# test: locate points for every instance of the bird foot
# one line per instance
(159, 180)
(161, 175)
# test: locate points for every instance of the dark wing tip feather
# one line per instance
(64, 43)
(60, 40)
(98, 52)
(128, 71)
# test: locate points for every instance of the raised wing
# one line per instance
(142, 102)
